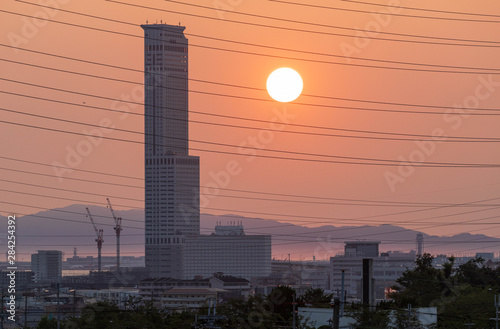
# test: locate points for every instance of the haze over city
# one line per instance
(231, 56)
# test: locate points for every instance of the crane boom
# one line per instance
(99, 233)
(93, 223)
(112, 211)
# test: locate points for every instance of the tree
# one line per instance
(255, 312)
(476, 274)
(109, 316)
(46, 323)
(403, 319)
(368, 317)
(317, 298)
(423, 285)
(461, 296)
(281, 298)
(263, 312)
(182, 320)
(471, 304)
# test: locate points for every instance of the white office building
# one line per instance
(230, 251)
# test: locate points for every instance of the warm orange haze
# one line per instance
(396, 122)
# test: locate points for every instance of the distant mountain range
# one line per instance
(67, 228)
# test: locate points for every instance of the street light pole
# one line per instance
(294, 312)
(336, 312)
(497, 297)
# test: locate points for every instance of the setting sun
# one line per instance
(284, 85)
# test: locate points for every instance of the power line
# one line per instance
(70, 178)
(72, 220)
(325, 25)
(234, 85)
(452, 140)
(478, 203)
(253, 53)
(315, 197)
(423, 9)
(390, 163)
(63, 198)
(336, 203)
(239, 146)
(76, 169)
(370, 12)
(323, 231)
(475, 110)
(305, 233)
(419, 136)
(70, 190)
(267, 100)
(274, 26)
(281, 225)
(222, 144)
(405, 229)
(422, 219)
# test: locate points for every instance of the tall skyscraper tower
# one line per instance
(171, 174)
(420, 244)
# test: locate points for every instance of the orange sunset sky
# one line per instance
(340, 92)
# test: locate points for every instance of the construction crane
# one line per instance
(99, 240)
(118, 229)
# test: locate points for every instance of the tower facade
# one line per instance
(171, 174)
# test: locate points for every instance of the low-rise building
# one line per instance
(228, 286)
(183, 298)
(234, 287)
(387, 268)
(118, 296)
(47, 266)
(161, 284)
(23, 279)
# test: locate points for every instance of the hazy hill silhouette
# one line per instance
(68, 227)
